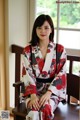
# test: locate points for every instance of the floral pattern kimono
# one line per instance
(54, 67)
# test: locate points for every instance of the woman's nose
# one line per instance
(42, 30)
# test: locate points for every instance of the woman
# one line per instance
(43, 71)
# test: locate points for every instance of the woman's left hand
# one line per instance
(45, 98)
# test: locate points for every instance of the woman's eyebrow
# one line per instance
(47, 26)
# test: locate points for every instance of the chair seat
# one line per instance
(63, 112)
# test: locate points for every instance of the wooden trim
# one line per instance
(16, 49)
(2, 56)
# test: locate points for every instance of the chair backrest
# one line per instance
(17, 50)
(73, 81)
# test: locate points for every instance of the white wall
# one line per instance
(18, 22)
(18, 27)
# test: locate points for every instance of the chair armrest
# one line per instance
(18, 84)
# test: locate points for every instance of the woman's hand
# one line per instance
(45, 98)
(34, 102)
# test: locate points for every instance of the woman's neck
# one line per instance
(43, 47)
(43, 44)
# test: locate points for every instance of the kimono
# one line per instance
(54, 67)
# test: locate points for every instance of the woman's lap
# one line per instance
(46, 112)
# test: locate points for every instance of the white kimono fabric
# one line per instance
(54, 67)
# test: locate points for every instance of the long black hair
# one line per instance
(38, 23)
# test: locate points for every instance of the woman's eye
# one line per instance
(38, 27)
(46, 27)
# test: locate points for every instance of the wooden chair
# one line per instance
(64, 111)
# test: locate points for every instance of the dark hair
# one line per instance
(39, 22)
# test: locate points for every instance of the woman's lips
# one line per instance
(42, 35)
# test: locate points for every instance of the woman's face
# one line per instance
(43, 32)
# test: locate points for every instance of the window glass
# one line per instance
(67, 66)
(70, 39)
(76, 68)
(70, 14)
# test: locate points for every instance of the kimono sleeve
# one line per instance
(58, 85)
(28, 76)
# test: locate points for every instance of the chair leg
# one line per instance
(68, 99)
(17, 117)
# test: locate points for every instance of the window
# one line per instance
(69, 38)
(70, 15)
(69, 24)
(76, 68)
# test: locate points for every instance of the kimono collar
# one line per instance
(48, 59)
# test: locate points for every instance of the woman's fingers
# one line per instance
(30, 105)
(45, 98)
(37, 103)
(34, 104)
(42, 101)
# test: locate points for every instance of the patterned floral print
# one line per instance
(48, 68)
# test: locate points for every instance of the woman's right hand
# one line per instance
(34, 102)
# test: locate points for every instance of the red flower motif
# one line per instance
(23, 71)
(37, 59)
(27, 49)
(31, 89)
(59, 87)
(52, 74)
(40, 63)
(44, 73)
(60, 48)
(48, 51)
(46, 112)
(63, 85)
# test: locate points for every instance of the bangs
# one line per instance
(40, 21)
